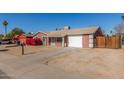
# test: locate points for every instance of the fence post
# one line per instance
(120, 41)
(22, 45)
(105, 41)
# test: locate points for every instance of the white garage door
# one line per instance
(75, 41)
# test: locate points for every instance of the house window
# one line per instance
(53, 39)
(59, 39)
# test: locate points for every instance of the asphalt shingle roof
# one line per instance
(62, 33)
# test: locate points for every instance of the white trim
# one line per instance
(91, 41)
(63, 41)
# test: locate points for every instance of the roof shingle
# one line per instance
(80, 31)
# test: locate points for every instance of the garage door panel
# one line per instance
(75, 41)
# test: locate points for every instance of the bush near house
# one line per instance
(32, 41)
(1, 36)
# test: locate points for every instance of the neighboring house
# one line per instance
(23, 38)
(82, 38)
(42, 36)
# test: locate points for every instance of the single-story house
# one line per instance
(39, 38)
(82, 38)
(42, 36)
(23, 38)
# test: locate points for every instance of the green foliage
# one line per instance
(1, 36)
(5, 23)
(8, 36)
(17, 31)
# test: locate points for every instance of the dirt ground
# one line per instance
(92, 63)
(17, 50)
(65, 62)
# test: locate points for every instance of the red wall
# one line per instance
(40, 35)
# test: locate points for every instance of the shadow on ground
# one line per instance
(3, 75)
(11, 46)
(30, 53)
(3, 50)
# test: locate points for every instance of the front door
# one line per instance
(44, 40)
(53, 40)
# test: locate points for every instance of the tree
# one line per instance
(119, 28)
(122, 17)
(17, 31)
(8, 36)
(5, 24)
(104, 32)
(1, 36)
(13, 32)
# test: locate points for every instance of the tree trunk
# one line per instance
(5, 30)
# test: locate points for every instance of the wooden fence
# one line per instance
(108, 42)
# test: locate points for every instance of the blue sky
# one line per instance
(33, 22)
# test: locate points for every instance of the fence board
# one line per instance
(100, 42)
(108, 42)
